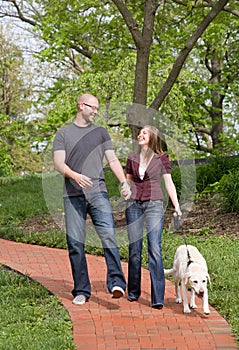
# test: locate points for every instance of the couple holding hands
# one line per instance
(78, 152)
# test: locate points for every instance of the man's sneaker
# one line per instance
(117, 292)
(79, 300)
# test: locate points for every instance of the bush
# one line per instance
(228, 189)
(6, 165)
(176, 176)
(212, 172)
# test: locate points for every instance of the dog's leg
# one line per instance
(192, 299)
(186, 309)
(205, 303)
(177, 290)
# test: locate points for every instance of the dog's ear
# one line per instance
(186, 277)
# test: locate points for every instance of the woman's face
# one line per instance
(143, 137)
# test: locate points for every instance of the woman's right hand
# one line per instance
(177, 211)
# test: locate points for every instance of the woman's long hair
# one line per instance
(154, 139)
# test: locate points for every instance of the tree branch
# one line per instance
(19, 14)
(74, 62)
(167, 86)
(130, 22)
(202, 131)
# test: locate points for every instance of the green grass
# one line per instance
(31, 318)
(20, 198)
(23, 197)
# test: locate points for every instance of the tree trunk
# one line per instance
(216, 100)
(141, 71)
(135, 118)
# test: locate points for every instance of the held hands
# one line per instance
(125, 190)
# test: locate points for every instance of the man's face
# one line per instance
(89, 110)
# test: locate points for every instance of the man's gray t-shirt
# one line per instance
(85, 148)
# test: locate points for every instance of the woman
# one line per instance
(144, 170)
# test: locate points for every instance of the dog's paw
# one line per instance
(178, 300)
(206, 311)
(193, 306)
(186, 310)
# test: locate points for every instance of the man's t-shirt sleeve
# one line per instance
(58, 142)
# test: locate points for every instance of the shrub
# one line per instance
(212, 172)
(176, 176)
(228, 189)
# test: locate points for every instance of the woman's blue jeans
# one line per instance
(99, 208)
(150, 213)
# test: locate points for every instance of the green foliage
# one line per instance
(6, 166)
(113, 89)
(97, 38)
(228, 188)
(15, 84)
(176, 176)
(17, 155)
(95, 51)
(96, 30)
(30, 317)
(16, 133)
(211, 172)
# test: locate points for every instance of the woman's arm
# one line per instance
(171, 190)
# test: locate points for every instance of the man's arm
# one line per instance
(60, 165)
(118, 171)
(115, 165)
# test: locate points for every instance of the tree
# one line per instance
(15, 89)
(156, 37)
(220, 86)
(211, 91)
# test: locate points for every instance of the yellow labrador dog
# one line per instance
(190, 268)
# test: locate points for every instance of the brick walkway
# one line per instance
(106, 323)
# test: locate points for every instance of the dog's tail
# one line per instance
(168, 271)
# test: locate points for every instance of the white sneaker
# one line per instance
(79, 300)
(117, 292)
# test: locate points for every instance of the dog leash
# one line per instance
(189, 257)
(177, 221)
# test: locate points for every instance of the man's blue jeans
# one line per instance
(99, 208)
(152, 214)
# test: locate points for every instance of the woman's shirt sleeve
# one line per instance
(166, 163)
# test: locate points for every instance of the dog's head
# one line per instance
(197, 281)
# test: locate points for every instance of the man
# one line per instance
(79, 150)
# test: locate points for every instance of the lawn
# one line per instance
(31, 318)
